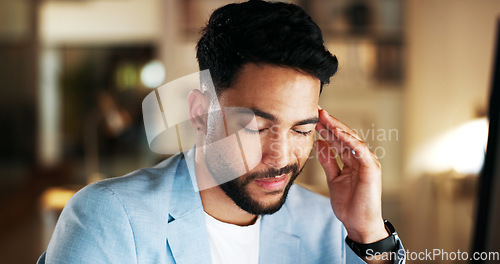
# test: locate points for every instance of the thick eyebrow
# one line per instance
(257, 112)
(312, 120)
(271, 117)
(264, 115)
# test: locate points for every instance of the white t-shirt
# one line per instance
(231, 244)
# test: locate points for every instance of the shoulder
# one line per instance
(91, 223)
(135, 193)
(144, 179)
(142, 184)
(109, 221)
(119, 194)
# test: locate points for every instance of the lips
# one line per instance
(274, 183)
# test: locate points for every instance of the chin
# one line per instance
(269, 202)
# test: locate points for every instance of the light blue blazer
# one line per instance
(153, 215)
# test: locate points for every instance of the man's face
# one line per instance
(284, 102)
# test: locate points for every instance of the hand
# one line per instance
(356, 188)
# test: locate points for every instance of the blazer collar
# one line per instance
(186, 228)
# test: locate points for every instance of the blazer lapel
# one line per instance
(277, 242)
(187, 235)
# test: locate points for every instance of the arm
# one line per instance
(356, 188)
(93, 228)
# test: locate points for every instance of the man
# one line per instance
(269, 59)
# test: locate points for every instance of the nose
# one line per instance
(276, 150)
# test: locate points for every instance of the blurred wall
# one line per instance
(450, 57)
(450, 60)
(101, 21)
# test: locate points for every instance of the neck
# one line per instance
(215, 202)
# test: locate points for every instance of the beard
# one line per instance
(236, 189)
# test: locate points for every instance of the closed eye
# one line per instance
(253, 131)
(304, 133)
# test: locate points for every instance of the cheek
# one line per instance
(233, 152)
(302, 148)
(215, 129)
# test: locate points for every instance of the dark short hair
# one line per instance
(256, 31)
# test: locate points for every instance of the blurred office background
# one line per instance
(414, 82)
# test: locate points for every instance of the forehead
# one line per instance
(284, 92)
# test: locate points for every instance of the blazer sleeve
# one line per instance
(93, 228)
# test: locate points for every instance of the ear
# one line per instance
(198, 104)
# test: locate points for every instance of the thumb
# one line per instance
(327, 159)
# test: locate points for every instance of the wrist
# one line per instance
(387, 244)
(370, 234)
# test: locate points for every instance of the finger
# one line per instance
(327, 159)
(351, 141)
(326, 134)
(336, 144)
(361, 151)
(375, 158)
(331, 123)
(344, 146)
